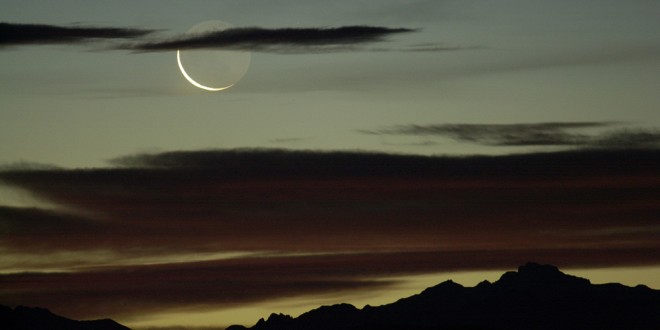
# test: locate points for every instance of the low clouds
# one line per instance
(570, 134)
(276, 40)
(12, 34)
(103, 292)
(310, 222)
(277, 200)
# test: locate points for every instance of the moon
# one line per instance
(212, 69)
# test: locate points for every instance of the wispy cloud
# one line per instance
(280, 40)
(287, 140)
(330, 221)
(426, 47)
(12, 34)
(574, 134)
(612, 54)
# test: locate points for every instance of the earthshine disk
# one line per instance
(212, 69)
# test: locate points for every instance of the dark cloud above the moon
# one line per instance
(279, 40)
(12, 34)
(574, 134)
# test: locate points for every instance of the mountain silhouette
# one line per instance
(535, 297)
(33, 318)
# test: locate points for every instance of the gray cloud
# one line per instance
(281, 40)
(628, 138)
(41, 34)
(574, 134)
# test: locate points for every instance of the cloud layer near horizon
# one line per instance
(314, 222)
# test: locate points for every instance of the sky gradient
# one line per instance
(371, 150)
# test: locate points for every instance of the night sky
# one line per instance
(372, 149)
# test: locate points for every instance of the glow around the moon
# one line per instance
(212, 69)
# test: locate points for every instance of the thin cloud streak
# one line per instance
(287, 140)
(12, 34)
(574, 134)
(280, 40)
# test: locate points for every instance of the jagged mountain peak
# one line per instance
(536, 268)
(535, 296)
(446, 286)
(534, 275)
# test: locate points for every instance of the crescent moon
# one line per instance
(192, 81)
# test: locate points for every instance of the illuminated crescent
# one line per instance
(192, 81)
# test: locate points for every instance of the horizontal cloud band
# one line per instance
(533, 134)
(22, 34)
(102, 292)
(278, 40)
(262, 39)
(348, 217)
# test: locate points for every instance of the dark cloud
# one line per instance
(628, 138)
(36, 228)
(42, 34)
(282, 163)
(574, 134)
(253, 200)
(281, 40)
(349, 217)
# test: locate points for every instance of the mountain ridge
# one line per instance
(36, 318)
(534, 297)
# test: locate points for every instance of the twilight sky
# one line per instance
(342, 167)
